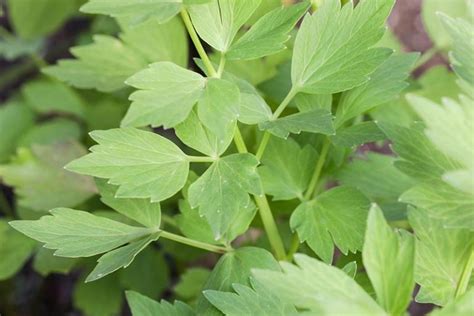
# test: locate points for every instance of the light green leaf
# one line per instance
(268, 35)
(438, 83)
(357, 134)
(314, 121)
(432, 22)
(455, 208)
(217, 22)
(333, 51)
(15, 119)
(142, 164)
(307, 102)
(48, 96)
(45, 262)
(350, 269)
(136, 10)
(462, 307)
(419, 157)
(389, 259)
(193, 225)
(218, 107)
(441, 256)
(59, 130)
(385, 84)
(79, 234)
(376, 177)
(119, 258)
(197, 136)
(140, 210)
(284, 168)
(327, 290)
(335, 218)
(34, 18)
(40, 181)
(141, 305)
(234, 267)
(191, 283)
(222, 192)
(15, 249)
(254, 301)
(166, 95)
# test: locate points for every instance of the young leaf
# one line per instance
(385, 84)
(217, 22)
(336, 217)
(284, 167)
(141, 305)
(142, 164)
(79, 234)
(332, 51)
(441, 257)
(166, 97)
(222, 192)
(327, 290)
(315, 121)
(119, 258)
(234, 267)
(140, 210)
(135, 10)
(218, 108)
(268, 35)
(39, 178)
(389, 258)
(254, 301)
(357, 134)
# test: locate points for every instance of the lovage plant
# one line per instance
(251, 150)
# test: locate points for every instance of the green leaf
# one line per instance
(307, 102)
(15, 249)
(432, 22)
(222, 192)
(234, 267)
(197, 136)
(193, 225)
(268, 35)
(327, 290)
(357, 134)
(48, 96)
(419, 157)
(438, 83)
(462, 307)
(51, 132)
(455, 208)
(441, 256)
(385, 84)
(15, 119)
(45, 262)
(142, 164)
(136, 11)
(333, 51)
(79, 234)
(336, 217)
(284, 168)
(376, 177)
(255, 301)
(139, 46)
(191, 283)
(140, 210)
(119, 258)
(34, 18)
(218, 108)
(166, 97)
(40, 181)
(12, 47)
(389, 259)
(315, 121)
(217, 22)
(141, 305)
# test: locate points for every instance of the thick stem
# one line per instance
(239, 141)
(317, 170)
(194, 243)
(197, 43)
(220, 70)
(465, 276)
(270, 226)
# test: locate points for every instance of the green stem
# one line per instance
(317, 170)
(263, 145)
(295, 244)
(270, 226)
(220, 70)
(291, 94)
(168, 220)
(200, 159)
(426, 56)
(239, 141)
(194, 243)
(197, 43)
(465, 276)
